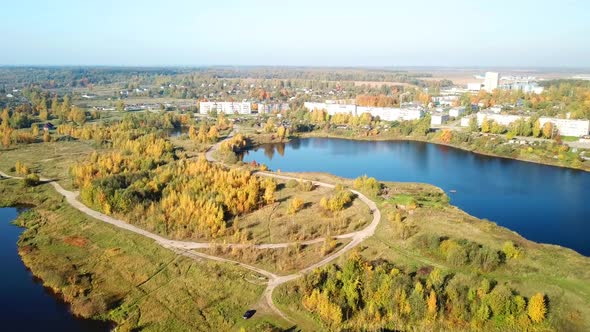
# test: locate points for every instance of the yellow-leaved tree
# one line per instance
(536, 308)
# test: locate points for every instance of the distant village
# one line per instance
(440, 108)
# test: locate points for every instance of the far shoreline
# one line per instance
(413, 139)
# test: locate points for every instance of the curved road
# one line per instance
(183, 247)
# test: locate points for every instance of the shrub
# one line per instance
(306, 185)
(511, 250)
(296, 205)
(31, 180)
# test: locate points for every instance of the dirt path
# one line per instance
(184, 247)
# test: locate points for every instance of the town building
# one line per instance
(448, 100)
(502, 119)
(466, 120)
(274, 107)
(456, 112)
(406, 113)
(226, 107)
(473, 87)
(438, 119)
(567, 127)
(491, 81)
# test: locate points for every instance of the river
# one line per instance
(542, 203)
(25, 305)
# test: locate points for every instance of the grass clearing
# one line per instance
(274, 223)
(51, 160)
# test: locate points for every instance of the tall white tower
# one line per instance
(491, 81)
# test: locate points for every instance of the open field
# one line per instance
(52, 160)
(274, 223)
(281, 261)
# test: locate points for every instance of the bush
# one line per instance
(31, 180)
(296, 205)
(511, 250)
(306, 185)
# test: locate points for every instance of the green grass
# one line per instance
(569, 138)
(274, 224)
(108, 273)
(51, 160)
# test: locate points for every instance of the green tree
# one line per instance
(120, 106)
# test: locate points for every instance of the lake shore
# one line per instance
(586, 168)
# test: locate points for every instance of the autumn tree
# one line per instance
(548, 130)
(446, 136)
(431, 304)
(295, 205)
(213, 134)
(536, 308)
(120, 106)
(537, 129)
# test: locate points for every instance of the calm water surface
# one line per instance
(542, 203)
(25, 305)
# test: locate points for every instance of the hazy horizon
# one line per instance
(180, 33)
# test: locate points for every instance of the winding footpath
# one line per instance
(185, 247)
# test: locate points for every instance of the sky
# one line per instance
(453, 33)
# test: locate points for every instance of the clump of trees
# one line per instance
(462, 252)
(185, 199)
(368, 185)
(337, 201)
(375, 295)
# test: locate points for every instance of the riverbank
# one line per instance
(585, 166)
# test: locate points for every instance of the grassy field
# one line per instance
(281, 261)
(51, 160)
(560, 273)
(110, 274)
(274, 223)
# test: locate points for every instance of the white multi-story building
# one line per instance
(227, 107)
(567, 127)
(392, 113)
(473, 86)
(465, 120)
(503, 119)
(445, 100)
(456, 111)
(491, 81)
(438, 119)
(269, 108)
(384, 113)
(330, 108)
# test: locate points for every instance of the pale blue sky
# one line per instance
(306, 32)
